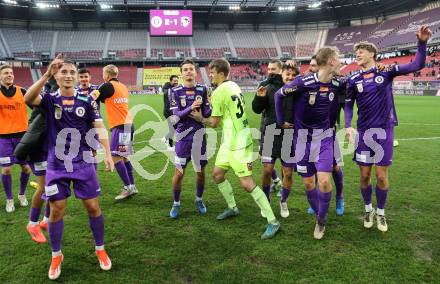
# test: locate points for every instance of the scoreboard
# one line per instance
(171, 23)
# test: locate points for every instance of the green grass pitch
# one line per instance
(146, 246)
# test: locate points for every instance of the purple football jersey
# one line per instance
(68, 121)
(373, 92)
(313, 101)
(181, 99)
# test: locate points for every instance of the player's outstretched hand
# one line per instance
(381, 67)
(196, 115)
(55, 65)
(291, 63)
(424, 34)
(109, 165)
(261, 91)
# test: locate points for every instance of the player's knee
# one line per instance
(324, 184)
(57, 211)
(309, 183)
(365, 179)
(6, 170)
(248, 183)
(94, 210)
(26, 169)
(267, 172)
(218, 176)
(382, 179)
(178, 174)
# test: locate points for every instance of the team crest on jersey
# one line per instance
(360, 87)
(183, 101)
(312, 98)
(198, 98)
(80, 111)
(379, 79)
(58, 111)
(331, 96)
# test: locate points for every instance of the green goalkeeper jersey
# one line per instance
(228, 102)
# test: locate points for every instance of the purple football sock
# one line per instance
(274, 174)
(7, 185)
(312, 197)
(199, 190)
(266, 190)
(34, 214)
(285, 194)
(338, 178)
(130, 171)
(367, 193)
(56, 234)
(176, 194)
(324, 203)
(381, 197)
(97, 226)
(24, 178)
(47, 211)
(122, 172)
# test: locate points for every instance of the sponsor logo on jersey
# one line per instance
(190, 92)
(200, 89)
(83, 97)
(120, 100)
(369, 75)
(379, 79)
(290, 90)
(68, 102)
(323, 89)
(335, 83)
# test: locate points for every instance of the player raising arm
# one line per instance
(69, 116)
(372, 90)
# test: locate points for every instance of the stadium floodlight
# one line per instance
(234, 8)
(286, 8)
(315, 5)
(10, 2)
(42, 5)
(105, 6)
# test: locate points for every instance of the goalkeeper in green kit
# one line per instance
(236, 148)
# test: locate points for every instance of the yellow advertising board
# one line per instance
(159, 76)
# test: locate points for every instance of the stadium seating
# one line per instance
(22, 76)
(210, 44)
(169, 46)
(81, 44)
